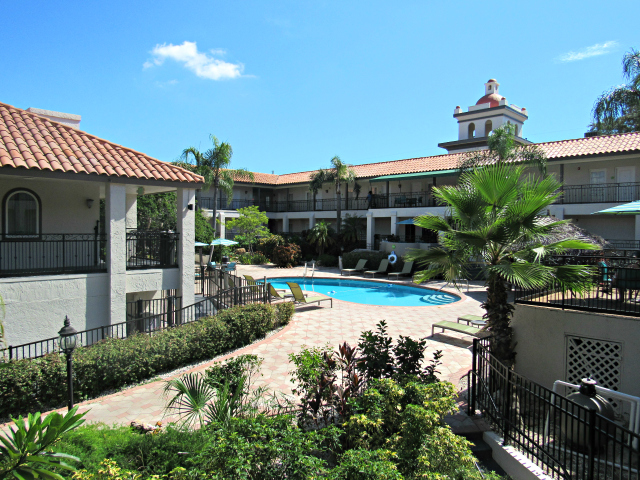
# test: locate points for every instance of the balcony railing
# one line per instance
(207, 203)
(602, 193)
(52, 254)
(150, 249)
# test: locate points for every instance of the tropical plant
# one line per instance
(321, 235)
(352, 226)
(495, 220)
(213, 165)
(504, 149)
(24, 451)
(337, 174)
(618, 109)
(157, 211)
(250, 226)
(286, 256)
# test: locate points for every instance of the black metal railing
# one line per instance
(625, 245)
(602, 193)
(52, 254)
(141, 310)
(151, 249)
(223, 291)
(564, 439)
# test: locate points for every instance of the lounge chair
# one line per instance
(300, 299)
(384, 264)
(406, 270)
(252, 283)
(279, 294)
(359, 268)
(229, 267)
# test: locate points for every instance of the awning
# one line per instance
(632, 208)
(414, 176)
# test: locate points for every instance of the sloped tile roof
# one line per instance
(33, 142)
(578, 147)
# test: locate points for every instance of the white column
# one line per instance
(186, 222)
(371, 223)
(637, 228)
(557, 211)
(116, 214)
(394, 223)
(132, 211)
(312, 221)
(285, 224)
(223, 225)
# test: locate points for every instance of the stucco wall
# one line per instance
(618, 227)
(64, 206)
(36, 306)
(541, 350)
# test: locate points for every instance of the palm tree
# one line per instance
(213, 165)
(494, 220)
(338, 173)
(618, 110)
(351, 228)
(321, 236)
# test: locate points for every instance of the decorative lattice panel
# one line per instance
(598, 359)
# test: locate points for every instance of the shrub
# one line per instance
(286, 256)
(34, 385)
(266, 245)
(350, 259)
(259, 259)
(328, 260)
(245, 258)
(284, 312)
(366, 465)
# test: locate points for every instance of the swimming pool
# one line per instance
(369, 293)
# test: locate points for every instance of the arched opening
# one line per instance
(472, 130)
(21, 209)
(488, 128)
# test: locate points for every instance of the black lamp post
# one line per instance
(68, 340)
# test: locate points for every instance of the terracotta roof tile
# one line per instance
(578, 147)
(33, 142)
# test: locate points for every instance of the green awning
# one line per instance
(414, 176)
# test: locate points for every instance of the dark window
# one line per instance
(21, 213)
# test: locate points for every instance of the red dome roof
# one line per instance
(493, 99)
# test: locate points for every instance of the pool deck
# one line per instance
(317, 326)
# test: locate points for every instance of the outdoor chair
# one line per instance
(400, 201)
(229, 267)
(279, 294)
(252, 283)
(359, 268)
(605, 280)
(406, 270)
(382, 269)
(300, 299)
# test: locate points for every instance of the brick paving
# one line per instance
(316, 326)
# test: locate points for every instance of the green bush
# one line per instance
(34, 385)
(286, 256)
(266, 245)
(328, 260)
(259, 259)
(350, 260)
(284, 312)
(245, 258)
(366, 465)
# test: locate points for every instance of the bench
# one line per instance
(456, 327)
(470, 318)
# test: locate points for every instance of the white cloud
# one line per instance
(204, 65)
(592, 51)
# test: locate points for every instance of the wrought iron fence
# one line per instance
(603, 193)
(226, 291)
(151, 249)
(52, 254)
(566, 440)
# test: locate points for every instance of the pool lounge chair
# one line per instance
(382, 269)
(279, 294)
(406, 270)
(300, 299)
(359, 268)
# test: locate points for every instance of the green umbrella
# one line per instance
(221, 242)
(632, 208)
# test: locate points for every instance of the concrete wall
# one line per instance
(618, 227)
(36, 306)
(541, 350)
(64, 203)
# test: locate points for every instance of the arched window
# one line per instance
(21, 211)
(472, 130)
(488, 127)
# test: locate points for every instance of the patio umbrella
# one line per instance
(632, 208)
(222, 242)
(406, 222)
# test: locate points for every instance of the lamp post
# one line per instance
(68, 340)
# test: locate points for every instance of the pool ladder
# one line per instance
(313, 269)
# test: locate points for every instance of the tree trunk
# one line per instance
(339, 209)
(215, 207)
(499, 312)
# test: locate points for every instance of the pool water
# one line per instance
(369, 293)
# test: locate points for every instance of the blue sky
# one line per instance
(290, 84)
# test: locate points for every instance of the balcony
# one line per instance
(68, 253)
(601, 193)
(207, 204)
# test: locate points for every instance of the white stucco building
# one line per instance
(57, 256)
(597, 172)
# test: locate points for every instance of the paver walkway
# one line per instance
(312, 326)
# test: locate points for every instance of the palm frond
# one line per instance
(191, 394)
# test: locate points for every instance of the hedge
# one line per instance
(40, 384)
